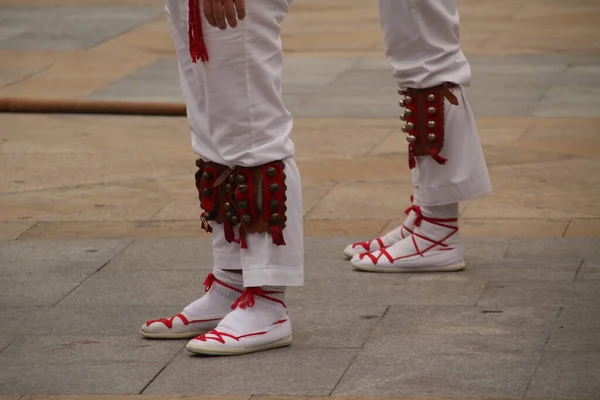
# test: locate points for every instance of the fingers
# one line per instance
(230, 14)
(240, 6)
(208, 12)
(219, 13)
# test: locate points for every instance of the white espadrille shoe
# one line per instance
(259, 321)
(434, 246)
(200, 316)
(393, 236)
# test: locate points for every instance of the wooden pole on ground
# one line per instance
(68, 106)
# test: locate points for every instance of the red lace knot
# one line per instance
(247, 297)
(416, 210)
(435, 154)
(208, 282)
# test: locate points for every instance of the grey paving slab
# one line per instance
(165, 255)
(590, 270)
(334, 326)
(137, 288)
(578, 294)
(27, 291)
(574, 100)
(457, 320)
(101, 250)
(68, 27)
(5, 341)
(41, 273)
(383, 293)
(101, 320)
(572, 375)
(302, 75)
(87, 349)
(442, 365)
(577, 330)
(165, 87)
(106, 378)
(509, 271)
(290, 371)
(544, 249)
(325, 104)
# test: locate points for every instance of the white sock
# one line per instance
(249, 318)
(218, 300)
(444, 212)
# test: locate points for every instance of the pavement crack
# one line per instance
(361, 347)
(161, 370)
(537, 364)
(579, 269)
(93, 273)
(567, 228)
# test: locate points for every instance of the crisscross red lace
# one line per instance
(169, 321)
(208, 282)
(440, 244)
(220, 336)
(247, 297)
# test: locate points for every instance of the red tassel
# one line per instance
(205, 225)
(229, 235)
(435, 154)
(243, 243)
(419, 218)
(208, 282)
(412, 162)
(197, 46)
(277, 234)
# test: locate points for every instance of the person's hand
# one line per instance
(219, 13)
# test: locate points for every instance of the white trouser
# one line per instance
(237, 118)
(422, 46)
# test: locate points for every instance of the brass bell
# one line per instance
(228, 187)
(199, 162)
(402, 117)
(401, 92)
(408, 112)
(243, 188)
(234, 220)
(206, 176)
(273, 187)
(431, 110)
(411, 139)
(246, 219)
(274, 204)
(228, 206)
(228, 216)
(431, 97)
(410, 126)
(431, 124)
(206, 191)
(208, 217)
(271, 171)
(431, 137)
(243, 204)
(402, 103)
(408, 99)
(232, 178)
(241, 179)
(275, 217)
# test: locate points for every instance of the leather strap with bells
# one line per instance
(252, 197)
(424, 117)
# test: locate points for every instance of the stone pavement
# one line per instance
(99, 230)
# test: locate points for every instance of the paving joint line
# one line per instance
(131, 241)
(358, 352)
